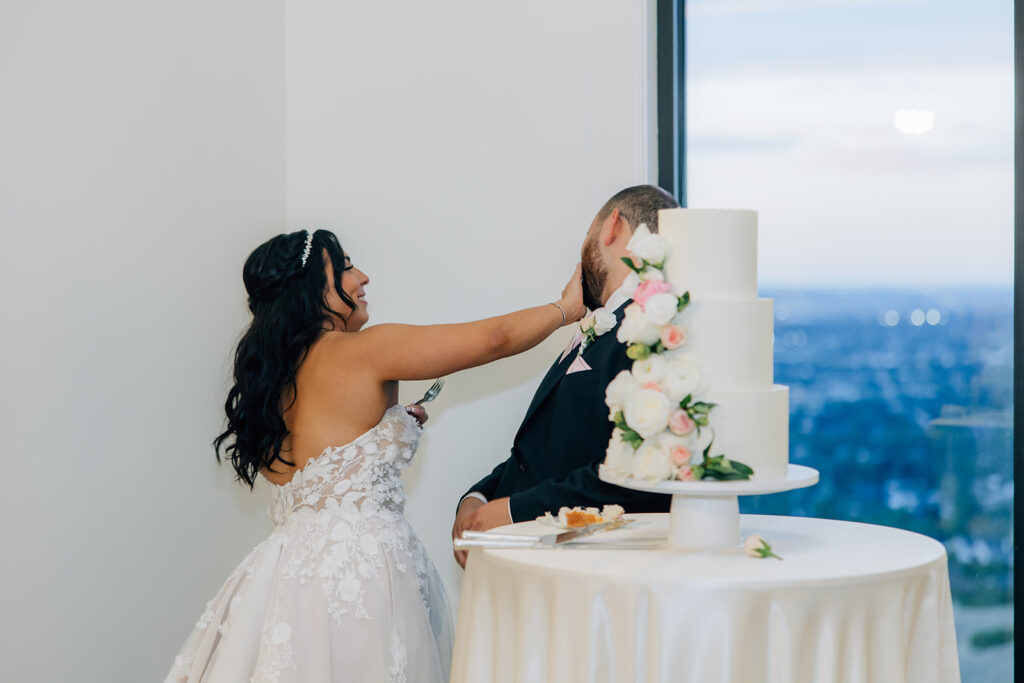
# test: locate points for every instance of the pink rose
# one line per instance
(653, 386)
(680, 423)
(685, 473)
(681, 456)
(673, 337)
(649, 288)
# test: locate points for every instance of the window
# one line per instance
(875, 140)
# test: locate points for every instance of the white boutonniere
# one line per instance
(594, 325)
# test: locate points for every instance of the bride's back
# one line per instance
(335, 403)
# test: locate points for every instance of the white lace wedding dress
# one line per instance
(342, 590)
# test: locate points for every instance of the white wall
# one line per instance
(141, 158)
(460, 150)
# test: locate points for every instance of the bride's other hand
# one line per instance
(572, 297)
(419, 412)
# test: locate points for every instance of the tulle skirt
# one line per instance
(309, 604)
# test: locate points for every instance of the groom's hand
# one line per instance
(476, 515)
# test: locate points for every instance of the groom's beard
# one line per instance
(594, 276)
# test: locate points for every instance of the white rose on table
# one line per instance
(618, 459)
(637, 328)
(650, 369)
(604, 321)
(620, 390)
(648, 246)
(682, 378)
(647, 412)
(653, 462)
(661, 309)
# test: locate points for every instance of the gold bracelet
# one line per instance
(560, 311)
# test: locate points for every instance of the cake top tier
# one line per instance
(714, 252)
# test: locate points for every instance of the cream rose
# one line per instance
(650, 369)
(620, 390)
(618, 459)
(661, 309)
(682, 377)
(652, 462)
(647, 412)
(648, 246)
(604, 321)
(637, 328)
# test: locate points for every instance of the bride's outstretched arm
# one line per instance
(411, 352)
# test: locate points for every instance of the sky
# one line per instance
(792, 110)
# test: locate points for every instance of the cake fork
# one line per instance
(432, 392)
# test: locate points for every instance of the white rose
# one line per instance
(586, 323)
(604, 321)
(620, 390)
(652, 273)
(618, 459)
(648, 246)
(647, 412)
(636, 327)
(681, 378)
(661, 309)
(652, 462)
(650, 369)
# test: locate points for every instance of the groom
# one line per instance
(561, 441)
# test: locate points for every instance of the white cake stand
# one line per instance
(706, 514)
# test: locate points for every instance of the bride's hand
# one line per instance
(572, 297)
(419, 412)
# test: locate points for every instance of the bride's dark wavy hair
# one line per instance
(289, 308)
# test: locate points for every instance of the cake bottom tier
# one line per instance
(752, 427)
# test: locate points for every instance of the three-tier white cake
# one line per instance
(730, 333)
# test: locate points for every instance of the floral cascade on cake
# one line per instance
(662, 427)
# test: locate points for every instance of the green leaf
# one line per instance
(698, 472)
(659, 347)
(685, 403)
(632, 266)
(742, 468)
(684, 301)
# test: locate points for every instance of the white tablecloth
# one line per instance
(849, 602)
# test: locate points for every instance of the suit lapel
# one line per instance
(557, 371)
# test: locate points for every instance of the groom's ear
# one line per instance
(614, 227)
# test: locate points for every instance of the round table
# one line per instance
(848, 602)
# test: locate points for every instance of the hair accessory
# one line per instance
(308, 248)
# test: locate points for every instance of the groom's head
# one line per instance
(605, 243)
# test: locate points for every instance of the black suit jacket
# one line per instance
(563, 438)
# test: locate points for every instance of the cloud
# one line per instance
(700, 9)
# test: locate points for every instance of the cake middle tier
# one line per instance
(731, 342)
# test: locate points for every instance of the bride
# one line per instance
(342, 589)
